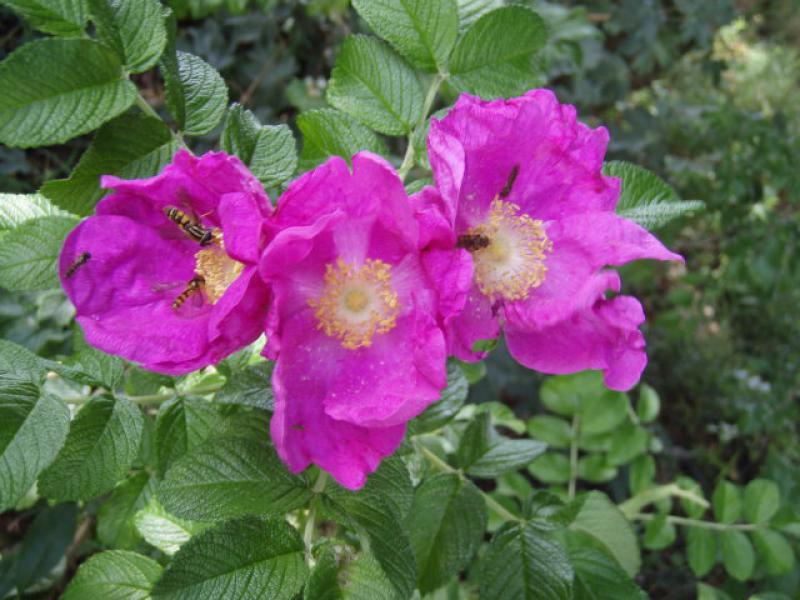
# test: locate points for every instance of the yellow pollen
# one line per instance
(357, 302)
(514, 261)
(217, 269)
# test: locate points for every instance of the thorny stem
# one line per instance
(493, 505)
(311, 522)
(408, 159)
(699, 523)
(573, 455)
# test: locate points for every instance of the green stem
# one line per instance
(145, 107)
(492, 504)
(153, 398)
(430, 97)
(311, 521)
(573, 455)
(632, 506)
(686, 522)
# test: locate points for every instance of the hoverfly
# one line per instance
(82, 259)
(203, 235)
(194, 285)
(510, 182)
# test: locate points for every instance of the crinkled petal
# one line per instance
(605, 337)
(478, 321)
(435, 217)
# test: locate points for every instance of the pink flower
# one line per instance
(352, 327)
(521, 182)
(165, 273)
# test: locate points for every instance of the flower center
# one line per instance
(357, 302)
(217, 269)
(513, 261)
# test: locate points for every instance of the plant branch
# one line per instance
(153, 398)
(311, 521)
(492, 504)
(573, 455)
(430, 97)
(632, 506)
(686, 522)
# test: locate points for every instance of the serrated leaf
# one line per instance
(392, 483)
(269, 151)
(183, 424)
(114, 575)
(33, 428)
(374, 517)
(163, 530)
(249, 387)
(727, 502)
(56, 89)
(197, 92)
(470, 11)
(506, 455)
(360, 579)
(20, 365)
(59, 17)
(446, 524)
(523, 563)
(598, 576)
(762, 499)
(131, 146)
(329, 132)
(16, 209)
(244, 558)
(135, 30)
(423, 32)
(230, 478)
(737, 554)
(646, 198)
(102, 444)
(774, 551)
(597, 516)
(659, 533)
(91, 366)
(115, 520)
(371, 83)
(494, 57)
(452, 399)
(29, 253)
(701, 550)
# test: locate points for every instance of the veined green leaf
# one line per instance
(329, 132)
(196, 94)
(59, 17)
(114, 575)
(115, 524)
(16, 209)
(135, 30)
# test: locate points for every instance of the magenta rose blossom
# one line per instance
(521, 182)
(166, 272)
(353, 321)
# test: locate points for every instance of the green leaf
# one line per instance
(443, 410)
(551, 468)
(551, 430)
(244, 558)
(470, 11)
(646, 198)
(642, 473)
(230, 478)
(371, 515)
(135, 30)
(494, 57)
(596, 469)
(596, 515)
(29, 253)
(659, 533)
(102, 444)
(16, 209)
(374, 85)
(727, 502)
(701, 550)
(506, 455)
(115, 524)
(46, 541)
(197, 92)
(59, 17)
(523, 563)
(163, 530)
(114, 575)
(32, 430)
(446, 524)
(649, 404)
(131, 146)
(691, 508)
(762, 499)
(183, 424)
(737, 554)
(774, 551)
(628, 442)
(706, 592)
(423, 32)
(249, 387)
(598, 576)
(392, 483)
(361, 579)
(91, 366)
(56, 89)
(269, 151)
(20, 365)
(329, 132)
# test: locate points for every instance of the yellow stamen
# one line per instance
(217, 269)
(357, 302)
(514, 261)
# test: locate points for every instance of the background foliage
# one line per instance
(687, 486)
